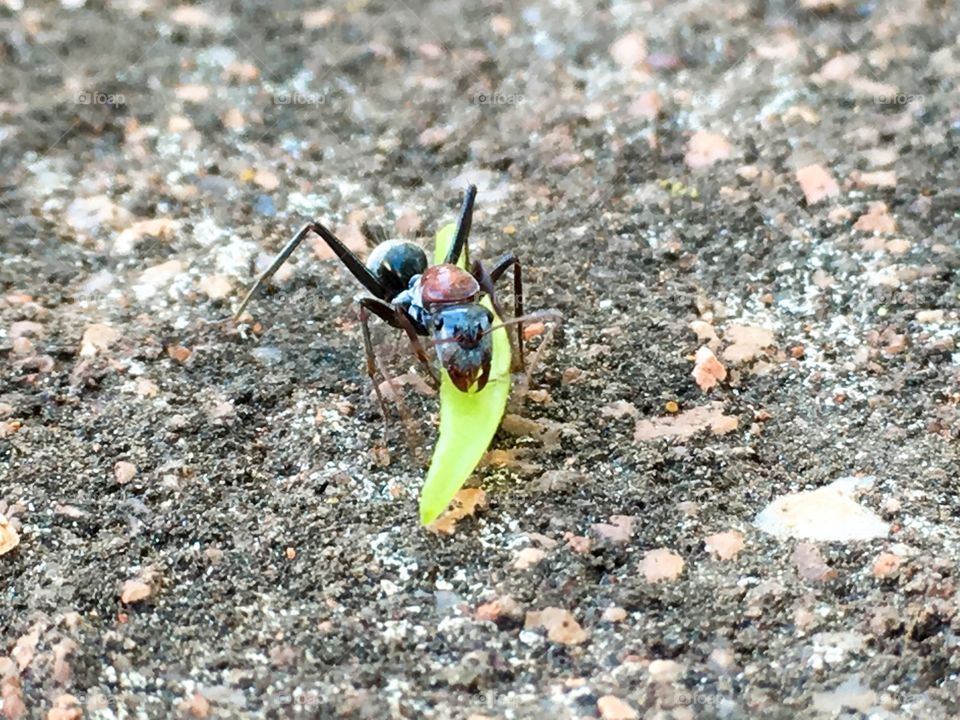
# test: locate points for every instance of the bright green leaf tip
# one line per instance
(468, 421)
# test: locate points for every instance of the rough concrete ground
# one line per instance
(642, 158)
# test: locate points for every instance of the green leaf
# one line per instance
(468, 420)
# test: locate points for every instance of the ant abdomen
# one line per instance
(395, 263)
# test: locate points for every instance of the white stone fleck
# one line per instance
(826, 514)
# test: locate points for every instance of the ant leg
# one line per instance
(381, 310)
(353, 263)
(418, 348)
(395, 317)
(523, 386)
(499, 267)
(545, 340)
(372, 366)
(464, 222)
(269, 272)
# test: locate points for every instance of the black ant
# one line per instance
(441, 302)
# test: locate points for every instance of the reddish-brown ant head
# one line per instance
(464, 344)
(459, 325)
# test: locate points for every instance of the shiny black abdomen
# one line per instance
(395, 263)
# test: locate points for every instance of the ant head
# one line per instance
(464, 344)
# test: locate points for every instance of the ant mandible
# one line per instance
(440, 302)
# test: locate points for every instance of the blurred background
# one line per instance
(747, 212)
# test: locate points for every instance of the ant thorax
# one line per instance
(411, 300)
(435, 290)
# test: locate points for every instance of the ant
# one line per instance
(440, 302)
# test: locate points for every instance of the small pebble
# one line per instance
(828, 514)
(661, 565)
(725, 545)
(577, 543)
(886, 565)
(196, 706)
(927, 317)
(179, 353)
(817, 183)
(9, 538)
(811, 564)
(614, 615)
(613, 708)
(319, 18)
(216, 287)
(560, 624)
(26, 329)
(124, 472)
(571, 375)
(618, 531)
(501, 25)
(264, 206)
(539, 396)
(147, 388)
(528, 557)
(222, 411)
(629, 51)
(65, 707)
(134, 591)
(664, 671)
(707, 370)
(96, 339)
(267, 355)
(705, 149)
(22, 346)
(487, 612)
(722, 660)
(18, 298)
(89, 214)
